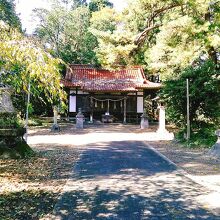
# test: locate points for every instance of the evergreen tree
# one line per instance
(8, 14)
(97, 5)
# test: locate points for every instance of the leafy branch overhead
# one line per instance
(165, 36)
(23, 60)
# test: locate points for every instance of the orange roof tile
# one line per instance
(92, 79)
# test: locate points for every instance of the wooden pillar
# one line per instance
(108, 106)
(125, 109)
(91, 117)
(91, 112)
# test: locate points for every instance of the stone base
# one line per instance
(79, 126)
(55, 128)
(164, 134)
(10, 137)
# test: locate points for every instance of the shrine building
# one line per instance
(107, 96)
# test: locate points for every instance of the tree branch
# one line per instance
(142, 36)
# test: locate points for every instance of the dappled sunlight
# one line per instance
(118, 176)
(210, 200)
(166, 196)
(127, 180)
(27, 203)
(210, 181)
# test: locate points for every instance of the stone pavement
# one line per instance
(118, 176)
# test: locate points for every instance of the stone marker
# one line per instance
(215, 150)
(162, 131)
(79, 119)
(144, 121)
(162, 120)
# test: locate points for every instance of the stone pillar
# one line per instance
(55, 114)
(162, 120)
(5, 100)
(79, 120)
(91, 110)
(10, 135)
(91, 117)
(162, 132)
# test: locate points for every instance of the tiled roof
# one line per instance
(92, 79)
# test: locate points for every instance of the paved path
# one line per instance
(119, 177)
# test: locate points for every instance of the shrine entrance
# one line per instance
(108, 109)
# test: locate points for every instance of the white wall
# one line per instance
(140, 104)
(72, 104)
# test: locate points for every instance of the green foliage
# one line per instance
(204, 137)
(9, 120)
(24, 61)
(65, 33)
(8, 14)
(204, 87)
(35, 122)
(114, 44)
(165, 36)
(97, 5)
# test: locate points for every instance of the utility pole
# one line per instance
(188, 120)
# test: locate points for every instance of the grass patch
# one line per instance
(203, 138)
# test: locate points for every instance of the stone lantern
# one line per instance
(10, 133)
(144, 121)
(80, 119)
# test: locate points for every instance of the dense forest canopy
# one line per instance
(64, 30)
(164, 36)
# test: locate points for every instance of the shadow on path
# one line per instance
(126, 180)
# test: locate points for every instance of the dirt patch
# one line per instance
(194, 161)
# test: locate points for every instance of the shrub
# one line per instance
(204, 99)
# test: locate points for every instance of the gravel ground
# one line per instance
(199, 167)
(194, 161)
